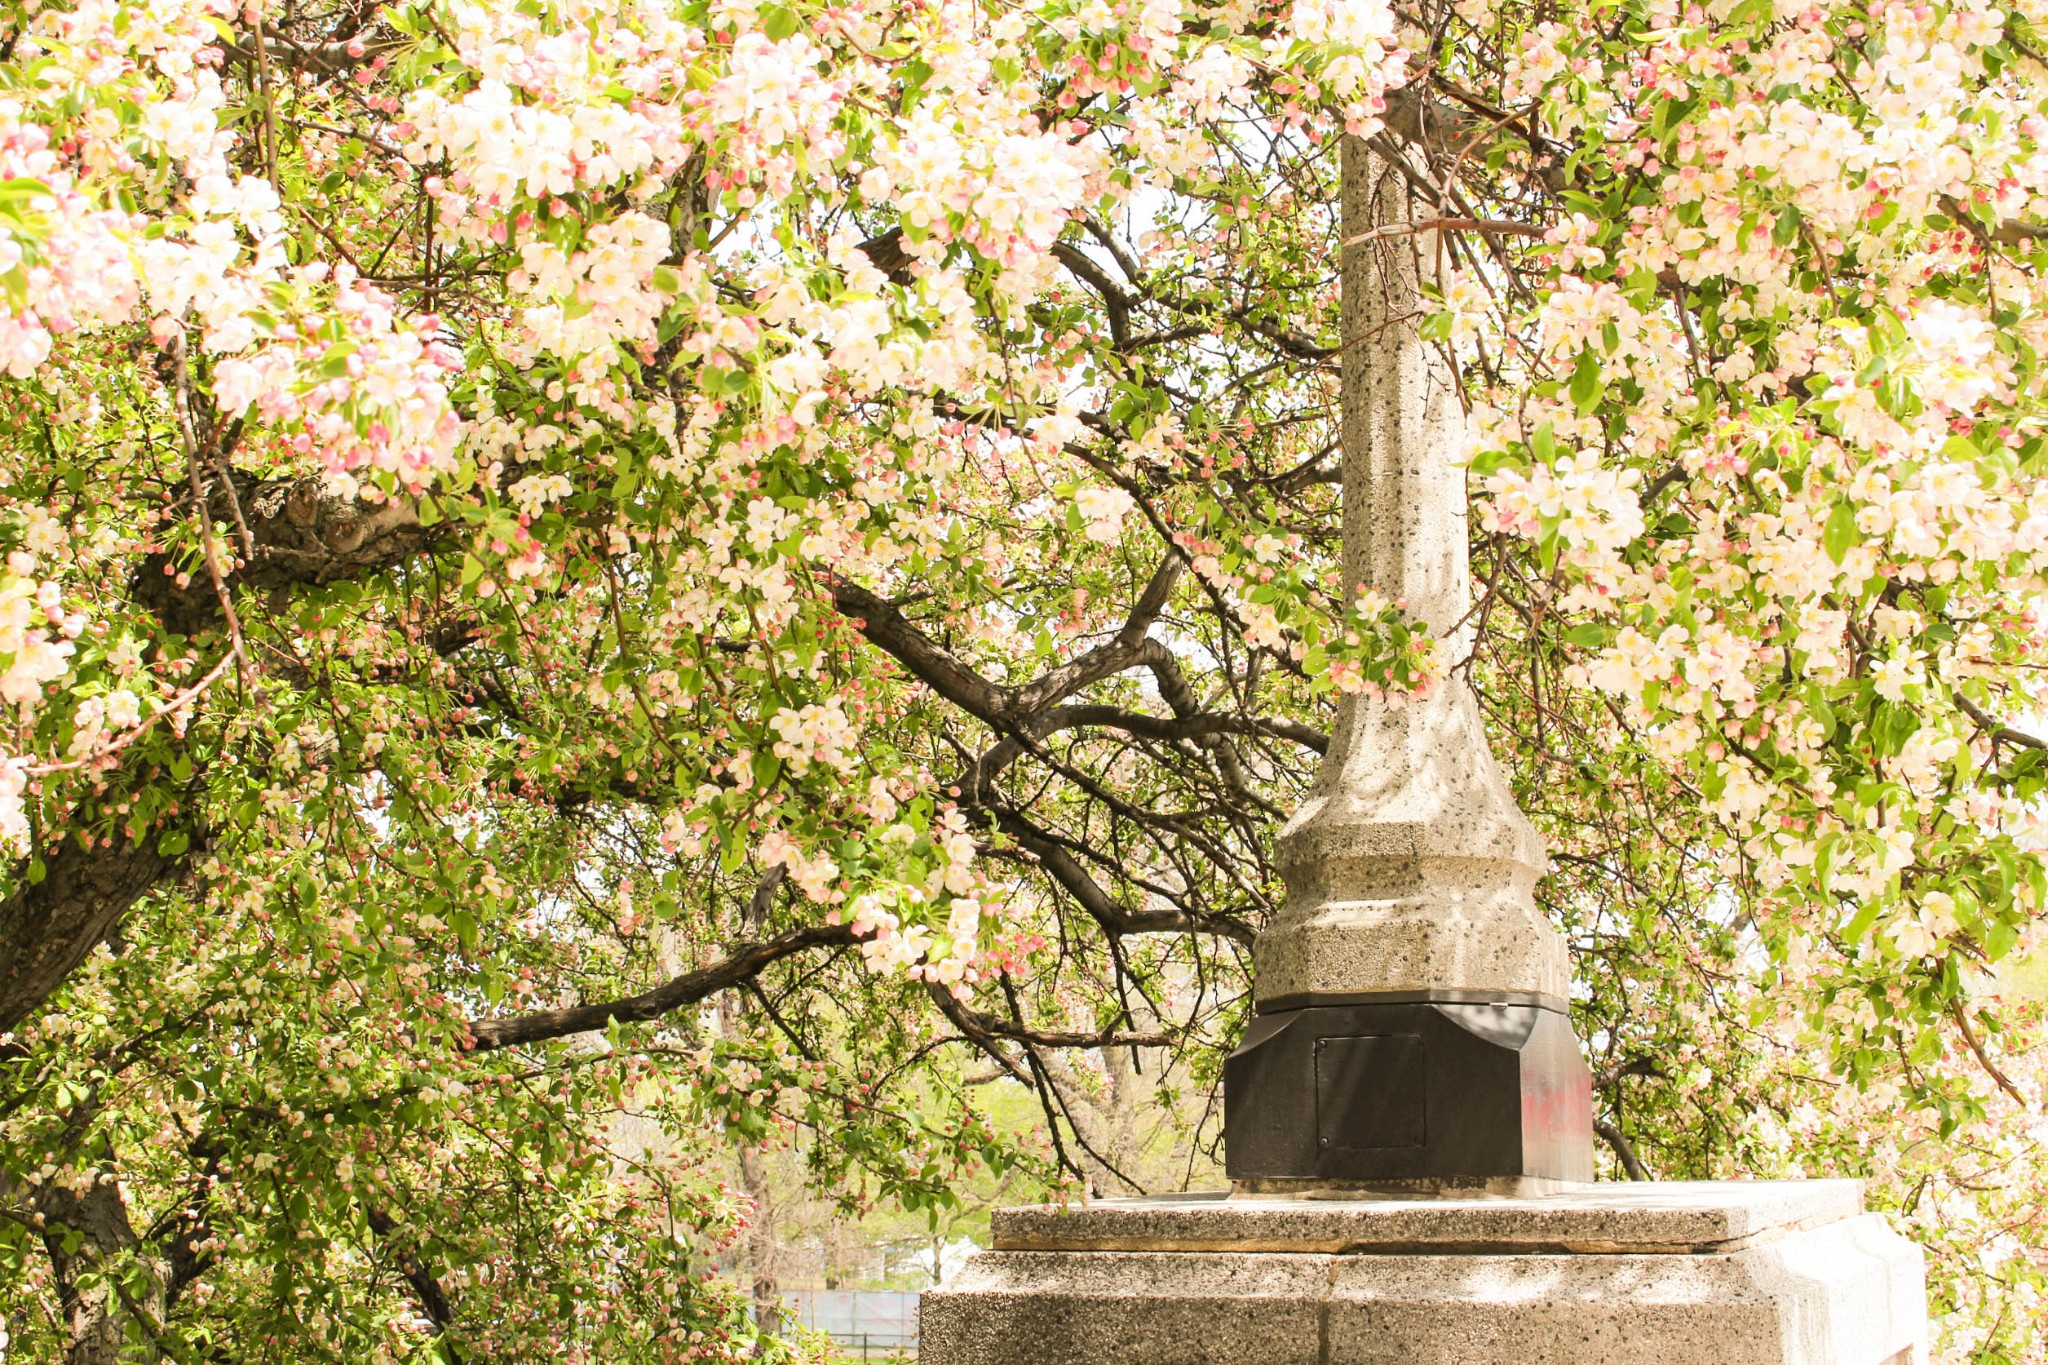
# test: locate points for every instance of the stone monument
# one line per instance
(1408, 1123)
(1412, 1023)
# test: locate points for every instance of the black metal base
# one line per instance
(1409, 1090)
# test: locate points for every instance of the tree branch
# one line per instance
(300, 532)
(971, 1021)
(1090, 896)
(2000, 734)
(1116, 304)
(2004, 1082)
(433, 1298)
(47, 928)
(1181, 727)
(1623, 1148)
(885, 625)
(747, 960)
(1012, 708)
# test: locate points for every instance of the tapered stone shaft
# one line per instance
(1409, 867)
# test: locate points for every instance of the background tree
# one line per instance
(526, 522)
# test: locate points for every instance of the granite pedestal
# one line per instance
(1736, 1273)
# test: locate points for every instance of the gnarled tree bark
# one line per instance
(298, 533)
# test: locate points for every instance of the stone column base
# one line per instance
(1428, 1090)
(1737, 1273)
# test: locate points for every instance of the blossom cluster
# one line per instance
(933, 928)
(1773, 427)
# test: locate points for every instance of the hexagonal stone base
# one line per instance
(1741, 1273)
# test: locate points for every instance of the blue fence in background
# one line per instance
(877, 1321)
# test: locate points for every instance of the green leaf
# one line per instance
(1824, 859)
(1841, 532)
(173, 843)
(1860, 924)
(1489, 461)
(1587, 384)
(1999, 939)
(1592, 635)
(1892, 726)
(334, 363)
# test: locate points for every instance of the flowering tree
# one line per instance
(587, 580)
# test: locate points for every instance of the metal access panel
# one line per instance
(1372, 1091)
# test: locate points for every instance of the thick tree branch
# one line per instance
(1128, 649)
(1199, 726)
(1613, 1073)
(963, 1019)
(885, 625)
(887, 255)
(1014, 709)
(426, 1287)
(1116, 304)
(1089, 895)
(86, 1231)
(300, 532)
(746, 960)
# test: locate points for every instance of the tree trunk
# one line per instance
(302, 534)
(97, 1318)
(47, 928)
(762, 1254)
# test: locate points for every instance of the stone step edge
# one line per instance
(1355, 1247)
